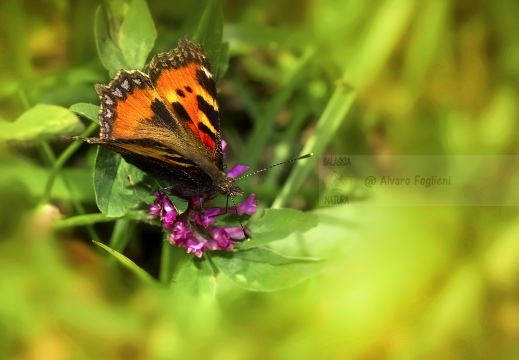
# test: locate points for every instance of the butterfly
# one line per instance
(165, 122)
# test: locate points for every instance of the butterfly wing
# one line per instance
(185, 178)
(136, 123)
(184, 81)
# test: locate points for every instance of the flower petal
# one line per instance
(180, 233)
(236, 232)
(249, 206)
(156, 207)
(220, 239)
(208, 217)
(237, 170)
(224, 145)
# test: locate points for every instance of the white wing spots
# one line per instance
(125, 85)
(108, 113)
(118, 93)
(207, 73)
(106, 128)
(108, 100)
(137, 81)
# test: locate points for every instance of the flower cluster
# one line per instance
(194, 229)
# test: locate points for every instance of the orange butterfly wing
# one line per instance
(126, 105)
(184, 81)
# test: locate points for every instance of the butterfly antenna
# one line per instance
(271, 166)
(247, 237)
(254, 173)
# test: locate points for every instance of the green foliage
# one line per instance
(141, 274)
(277, 224)
(124, 46)
(89, 111)
(260, 269)
(41, 122)
(114, 184)
(209, 33)
(195, 278)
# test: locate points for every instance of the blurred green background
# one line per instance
(378, 77)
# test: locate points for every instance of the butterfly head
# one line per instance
(227, 186)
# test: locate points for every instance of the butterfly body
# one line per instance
(165, 122)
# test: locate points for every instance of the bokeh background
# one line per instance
(377, 77)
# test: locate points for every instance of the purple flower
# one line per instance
(220, 239)
(179, 233)
(224, 145)
(194, 229)
(237, 170)
(249, 206)
(207, 217)
(236, 232)
(195, 246)
(163, 208)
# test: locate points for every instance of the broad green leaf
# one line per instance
(209, 33)
(260, 269)
(139, 272)
(195, 277)
(125, 46)
(41, 122)
(277, 224)
(89, 111)
(137, 34)
(114, 184)
(111, 56)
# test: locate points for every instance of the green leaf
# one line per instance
(195, 277)
(277, 224)
(111, 56)
(41, 122)
(224, 61)
(209, 33)
(127, 263)
(89, 111)
(114, 184)
(137, 34)
(125, 43)
(260, 269)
